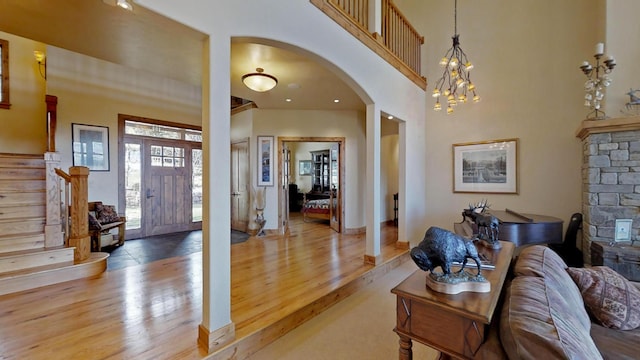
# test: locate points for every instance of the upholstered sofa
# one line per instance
(551, 311)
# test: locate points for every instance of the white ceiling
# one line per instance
(145, 40)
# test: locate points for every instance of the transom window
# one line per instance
(4, 74)
(161, 131)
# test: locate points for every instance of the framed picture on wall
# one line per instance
(265, 161)
(304, 167)
(623, 229)
(486, 167)
(90, 146)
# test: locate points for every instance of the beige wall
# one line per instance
(26, 119)
(389, 147)
(94, 92)
(301, 151)
(526, 56)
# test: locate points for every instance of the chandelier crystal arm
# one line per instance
(456, 74)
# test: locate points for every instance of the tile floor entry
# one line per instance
(152, 248)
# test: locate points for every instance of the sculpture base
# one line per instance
(495, 245)
(457, 283)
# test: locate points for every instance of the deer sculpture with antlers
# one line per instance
(488, 225)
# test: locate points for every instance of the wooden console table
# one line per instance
(456, 325)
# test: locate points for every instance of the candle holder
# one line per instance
(598, 79)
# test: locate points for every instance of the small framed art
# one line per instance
(265, 161)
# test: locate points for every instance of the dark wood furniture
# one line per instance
(456, 325)
(624, 258)
(320, 171)
(528, 229)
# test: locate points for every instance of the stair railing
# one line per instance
(74, 202)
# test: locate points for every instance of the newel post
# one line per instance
(52, 228)
(79, 213)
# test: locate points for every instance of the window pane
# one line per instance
(196, 180)
(156, 150)
(132, 181)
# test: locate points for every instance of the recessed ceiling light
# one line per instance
(390, 117)
(336, 100)
(287, 100)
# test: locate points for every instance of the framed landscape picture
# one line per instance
(486, 167)
(90, 146)
(304, 167)
(265, 160)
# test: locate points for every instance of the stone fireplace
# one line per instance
(610, 178)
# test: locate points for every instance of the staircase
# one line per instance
(25, 261)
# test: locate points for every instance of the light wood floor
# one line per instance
(153, 311)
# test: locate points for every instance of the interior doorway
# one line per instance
(314, 168)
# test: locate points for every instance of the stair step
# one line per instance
(22, 211)
(33, 278)
(25, 259)
(22, 173)
(21, 161)
(11, 243)
(22, 185)
(22, 198)
(16, 227)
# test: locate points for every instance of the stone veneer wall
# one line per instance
(611, 185)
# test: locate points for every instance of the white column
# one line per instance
(372, 253)
(216, 328)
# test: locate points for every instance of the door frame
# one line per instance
(122, 137)
(341, 172)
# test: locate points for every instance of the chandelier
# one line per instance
(259, 81)
(455, 83)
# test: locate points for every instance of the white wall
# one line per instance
(296, 25)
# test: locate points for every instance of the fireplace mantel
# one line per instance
(589, 127)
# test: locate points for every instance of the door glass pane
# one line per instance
(196, 181)
(133, 181)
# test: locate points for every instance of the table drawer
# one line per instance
(440, 329)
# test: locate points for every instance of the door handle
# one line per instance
(150, 193)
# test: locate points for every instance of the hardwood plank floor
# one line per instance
(152, 311)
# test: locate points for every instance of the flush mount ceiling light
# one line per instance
(259, 81)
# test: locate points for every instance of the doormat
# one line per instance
(238, 237)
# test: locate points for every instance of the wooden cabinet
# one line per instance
(320, 171)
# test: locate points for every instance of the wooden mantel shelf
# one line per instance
(589, 127)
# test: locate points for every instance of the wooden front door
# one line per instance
(240, 185)
(167, 195)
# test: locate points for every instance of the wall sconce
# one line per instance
(42, 63)
(125, 5)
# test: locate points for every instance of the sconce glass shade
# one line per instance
(259, 81)
(125, 5)
(39, 55)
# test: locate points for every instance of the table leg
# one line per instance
(405, 352)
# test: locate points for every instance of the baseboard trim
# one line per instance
(216, 339)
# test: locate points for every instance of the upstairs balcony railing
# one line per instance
(396, 40)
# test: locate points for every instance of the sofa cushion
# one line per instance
(94, 224)
(609, 297)
(106, 213)
(541, 261)
(539, 322)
